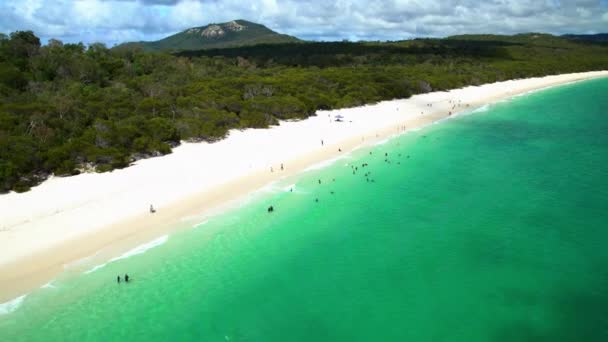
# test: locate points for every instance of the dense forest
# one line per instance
(69, 108)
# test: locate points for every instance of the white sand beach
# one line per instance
(65, 219)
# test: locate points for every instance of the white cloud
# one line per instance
(114, 21)
(187, 14)
(583, 12)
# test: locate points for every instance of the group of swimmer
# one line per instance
(354, 169)
(126, 278)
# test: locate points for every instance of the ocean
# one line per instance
(489, 226)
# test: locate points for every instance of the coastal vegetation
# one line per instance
(67, 108)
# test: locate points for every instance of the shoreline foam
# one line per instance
(67, 219)
(135, 251)
(11, 305)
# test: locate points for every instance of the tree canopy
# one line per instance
(65, 108)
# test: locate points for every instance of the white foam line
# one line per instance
(48, 285)
(481, 109)
(12, 305)
(202, 223)
(383, 141)
(325, 163)
(143, 248)
(95, 268)
(135, 251)
(271, 187)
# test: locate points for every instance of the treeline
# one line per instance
(65, 108)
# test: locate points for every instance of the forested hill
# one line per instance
(592, 38)
(537, 38)
(231, 34)
(67, 108)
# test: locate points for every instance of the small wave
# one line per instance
(202, 223)
(269, 188)
(95, 268)
(481, 109)
(48, 285)
(295, 190)
(383, 141)
(135, 251)
(530, 92)
(277, 188)
(143, 248)
(324, 164)
(12, 305)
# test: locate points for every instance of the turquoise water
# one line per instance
(493, 229)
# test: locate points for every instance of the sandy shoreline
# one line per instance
(67, 219)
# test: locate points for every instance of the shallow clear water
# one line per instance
(493, 229)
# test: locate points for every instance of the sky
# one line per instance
(117, 21)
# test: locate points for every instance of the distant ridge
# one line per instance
(538, 39)
(531, 37)
(597, 38)
(230, 34)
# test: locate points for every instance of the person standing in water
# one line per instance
(126, 278)
(118, 279)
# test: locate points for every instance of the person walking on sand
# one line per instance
(321, 142)
(282, 167)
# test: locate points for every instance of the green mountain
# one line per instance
(231, 34)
